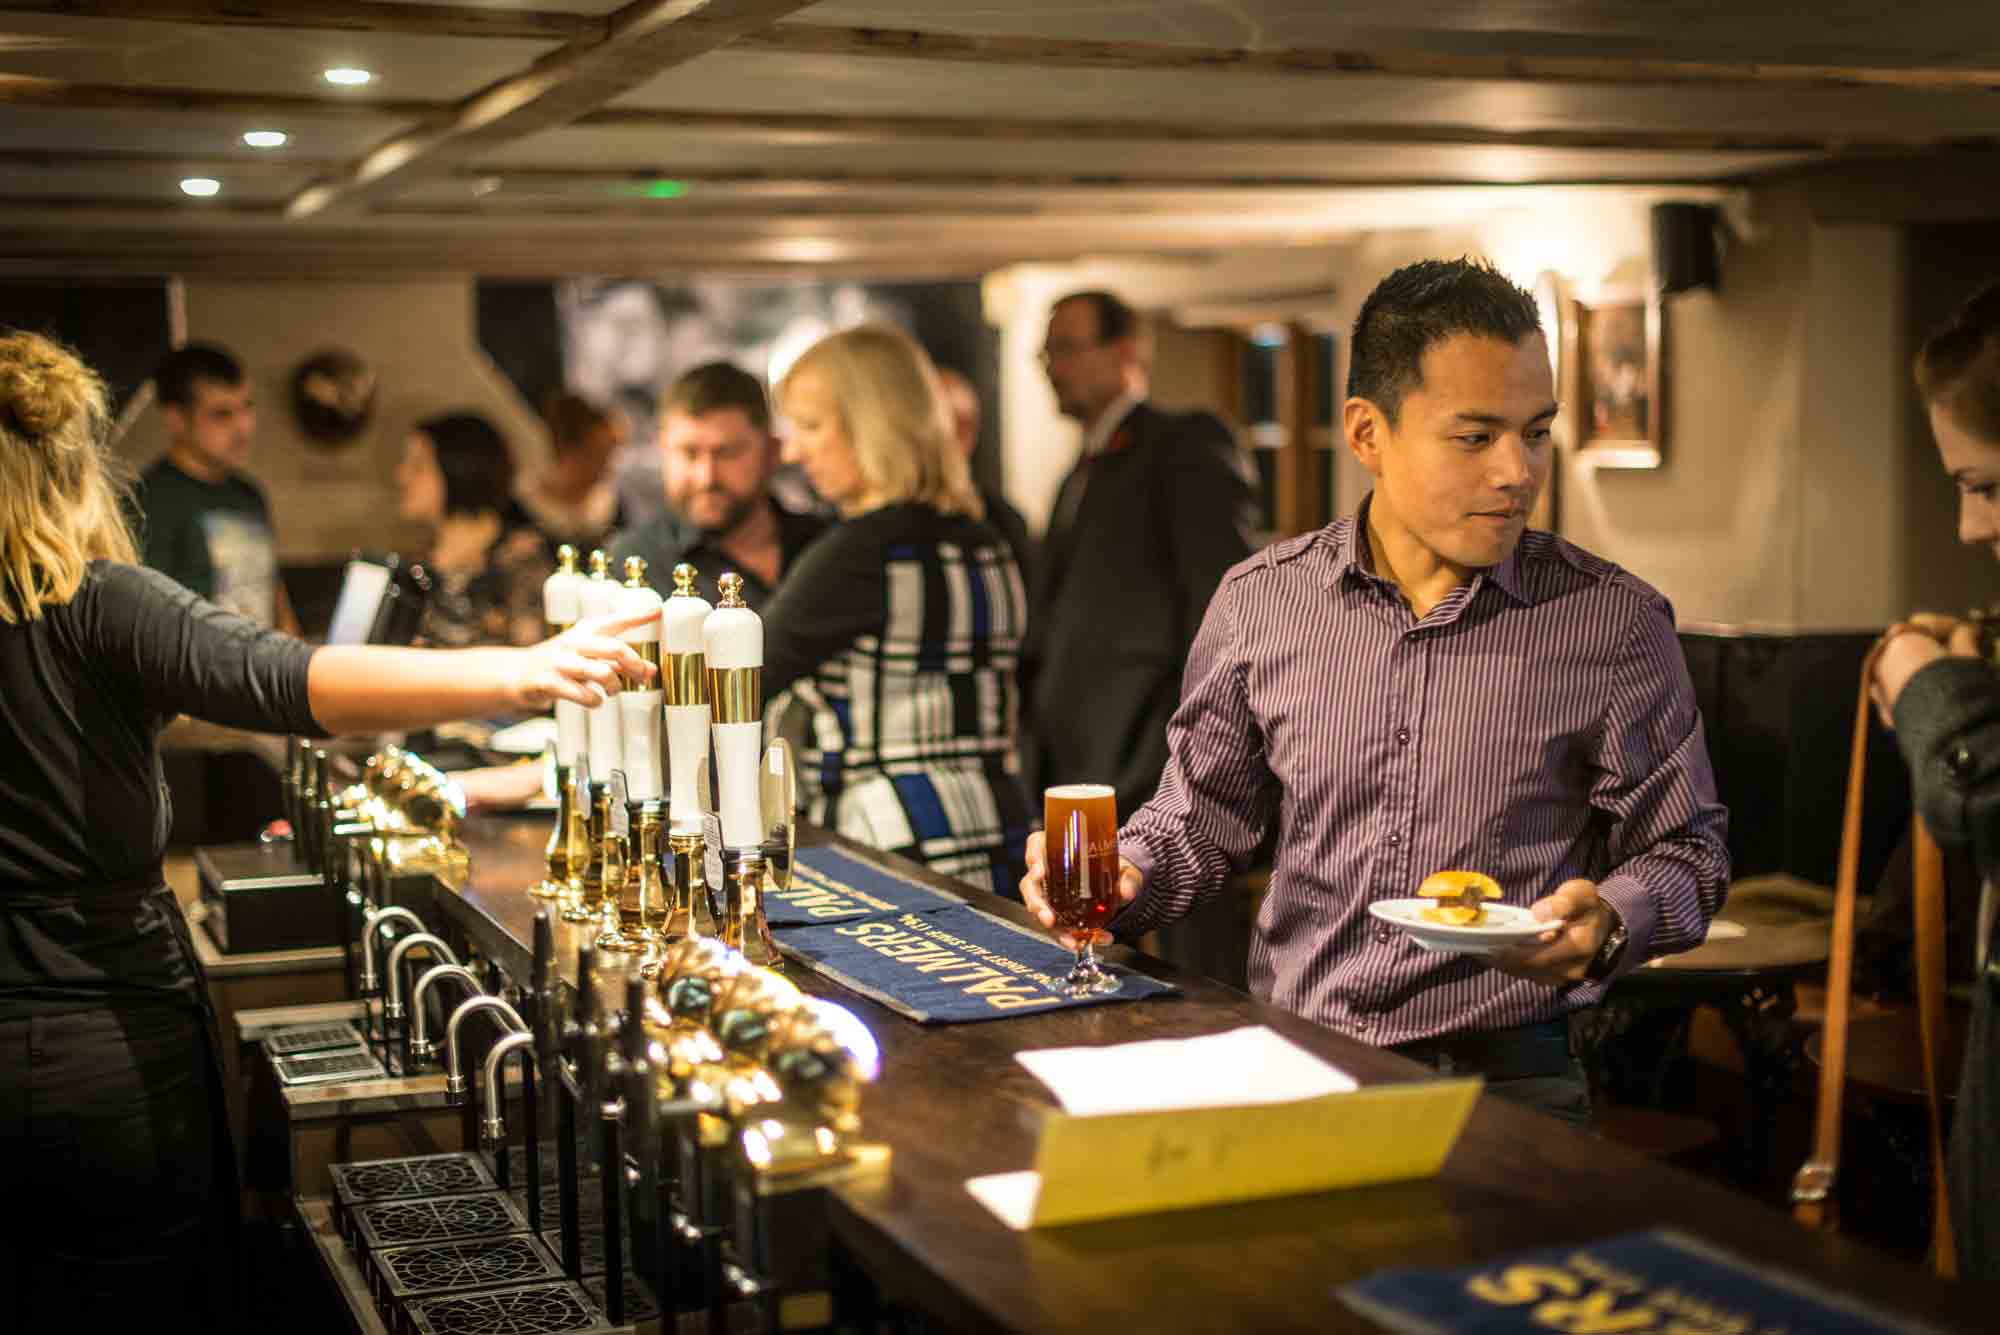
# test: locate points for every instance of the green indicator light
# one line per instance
(657, 189)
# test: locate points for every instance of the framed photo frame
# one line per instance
(1613, 377)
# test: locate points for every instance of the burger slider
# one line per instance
(1459, 895)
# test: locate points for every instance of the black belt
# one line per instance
(1523, 1052)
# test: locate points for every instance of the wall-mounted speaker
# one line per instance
(1686, 247)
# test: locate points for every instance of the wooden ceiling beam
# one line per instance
(68, 95)
(817, 128)
(1323, 62)
(639, 41)
(1407, 60)
(421, 20)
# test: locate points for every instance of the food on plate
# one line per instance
(1460, 896)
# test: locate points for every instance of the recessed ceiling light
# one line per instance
(201, 187)
(266, 138)
(348, 76)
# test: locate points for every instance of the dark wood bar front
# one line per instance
(952, 1103)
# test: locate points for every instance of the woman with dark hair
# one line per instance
(1936, 679)
(116, 1175)
(457, 476)
(572, 500)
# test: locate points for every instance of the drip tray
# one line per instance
(325, 1068)
(356, 1184)
(639, 1302)
(535, 1309)
(312, 1038)
(589, 1247)
(399, 1274)
(487, 1214)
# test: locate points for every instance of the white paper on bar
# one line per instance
(1010, 1196)
(1248, 1065)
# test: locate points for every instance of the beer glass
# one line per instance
(1081, 824)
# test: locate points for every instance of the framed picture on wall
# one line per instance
(1612, 374)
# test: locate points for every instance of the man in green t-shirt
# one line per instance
(202, 520)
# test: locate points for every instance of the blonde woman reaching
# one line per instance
(110, 1104)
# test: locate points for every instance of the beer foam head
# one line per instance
(1079, 792)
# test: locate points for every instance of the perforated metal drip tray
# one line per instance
(589, 1246)
(407, 1179)
(517, 1162)
(533, 1309)
(486, 1214)
(325, 1068)
(639, 1302)
(401, 1273)
(312, 1038)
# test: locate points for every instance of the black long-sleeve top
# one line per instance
(1948, 725)
(84, 812)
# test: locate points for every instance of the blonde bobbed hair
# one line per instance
(61, 493)
(895, 416)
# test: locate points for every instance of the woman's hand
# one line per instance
(581, 665)
(1908, 647)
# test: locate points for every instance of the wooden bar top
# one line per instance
(952, 1103)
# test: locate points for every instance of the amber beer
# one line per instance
(1082, 832)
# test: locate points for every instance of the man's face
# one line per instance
(1974, 465)
(217, 426)
(1087, 373)
(1460, 468)
(716, 467)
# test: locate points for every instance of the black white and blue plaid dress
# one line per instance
(899, 632)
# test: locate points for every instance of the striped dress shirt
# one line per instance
(1538, 725)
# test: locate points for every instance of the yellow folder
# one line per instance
(1101, 1167)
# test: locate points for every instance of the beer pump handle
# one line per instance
(597, 598)
(639, 705)
(684, 689)
(733, 645)
(562, 607)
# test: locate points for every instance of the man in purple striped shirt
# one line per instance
(1428, 685)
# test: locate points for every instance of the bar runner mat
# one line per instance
(830, 886)
(1635, 1284)
(950, 965)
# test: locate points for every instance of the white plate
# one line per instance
(1506, 925)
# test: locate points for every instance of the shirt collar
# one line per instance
(1350, 549)
(1108, 422)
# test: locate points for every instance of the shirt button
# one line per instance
(1961, 763)
(1394, 839)
(1402, 736)
(1382, 935)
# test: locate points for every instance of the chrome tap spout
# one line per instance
(493, 1129)
(393, 1008)
(421, 1047)
(371, 982)
(454, 1076)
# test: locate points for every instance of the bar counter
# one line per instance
(952, 1103)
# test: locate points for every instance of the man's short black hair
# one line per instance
(1115, 320)
(472, 455)
(715, 386)
(1422, 304)
(174, 377)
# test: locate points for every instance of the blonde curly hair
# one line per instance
(62, 494)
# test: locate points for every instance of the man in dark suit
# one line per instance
(1158, 506)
